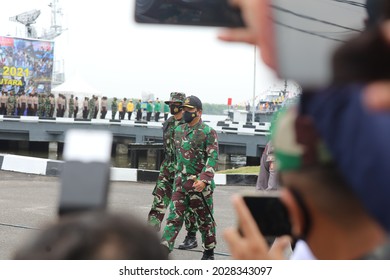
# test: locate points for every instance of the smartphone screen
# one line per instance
(188, 12)
(307, 32)
(269, 213)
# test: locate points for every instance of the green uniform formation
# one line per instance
(196, 153)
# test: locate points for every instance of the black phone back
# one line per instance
(188, 12)
(270, 215)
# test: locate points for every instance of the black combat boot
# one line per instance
(189, 242)
(208, 255)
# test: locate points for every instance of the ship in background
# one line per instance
(266, 104)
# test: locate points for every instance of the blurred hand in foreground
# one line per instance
(250, 244)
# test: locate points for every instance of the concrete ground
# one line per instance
(28, 202)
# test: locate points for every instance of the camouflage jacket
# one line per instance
(47, 102)
(197, 151)
(114, 106)
(12, 100)
(91, 104)
(71, 103)
(168, 137)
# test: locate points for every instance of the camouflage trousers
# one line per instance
(10, 110)
(181, 201)
(71, 111)
(162, 195)
(91, 113)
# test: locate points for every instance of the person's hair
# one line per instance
(325, 188)
(95, 236)
(366, 57)
(377, 10)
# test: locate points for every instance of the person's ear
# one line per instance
(294, 212)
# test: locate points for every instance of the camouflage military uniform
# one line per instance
(71, 107)
(47, 106)
(41, 105)
(163, 190)
(114, 108)
(196, 154)
(11, 105)
(91, 105)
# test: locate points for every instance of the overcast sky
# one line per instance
(108, 50)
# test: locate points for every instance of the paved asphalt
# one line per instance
(30, 201)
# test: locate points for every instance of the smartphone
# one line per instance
(85, 175)
(269, 213)
(188, 12)
(307, 33)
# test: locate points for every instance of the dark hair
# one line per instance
(366, 57)
(95, 236)
(377, 10)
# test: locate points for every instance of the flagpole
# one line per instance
(254, 86)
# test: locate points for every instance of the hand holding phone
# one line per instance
(250, 244)
(269, 213)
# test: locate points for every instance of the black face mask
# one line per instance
(175, 109)
(189, 116)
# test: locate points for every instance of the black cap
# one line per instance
(193, 102)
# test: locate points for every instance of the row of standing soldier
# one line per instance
(127, 106)
(44, 105)
(31, 105)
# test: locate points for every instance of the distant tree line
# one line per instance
(216, 109)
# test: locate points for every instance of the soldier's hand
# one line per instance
(199, 186)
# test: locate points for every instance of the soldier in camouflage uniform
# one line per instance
(114, 108)
(196, 148)
(71, 107)
(11, 104)
(91, 107)
(47, 103)
(41, 105)
(163, 190)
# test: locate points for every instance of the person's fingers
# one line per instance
(234, 242)
(279, 247)
(237, 35)
(377, 96)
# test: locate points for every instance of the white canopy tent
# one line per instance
(77, 87)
